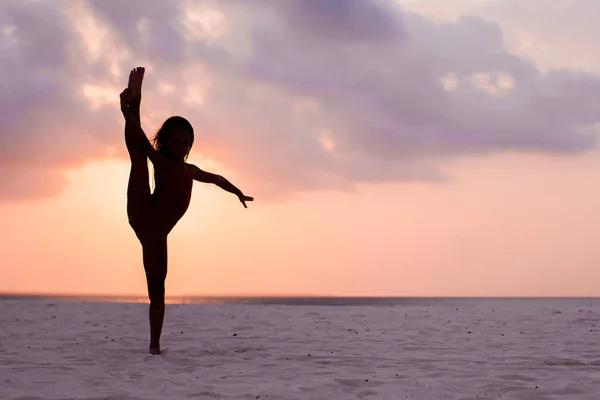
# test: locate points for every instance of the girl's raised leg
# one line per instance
(136, 76)
(138, 188)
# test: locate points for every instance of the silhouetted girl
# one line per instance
(153, 215)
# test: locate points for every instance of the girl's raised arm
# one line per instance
(134, 134)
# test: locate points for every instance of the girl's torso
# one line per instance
(172, 193)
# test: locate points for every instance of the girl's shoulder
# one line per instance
(188, 170)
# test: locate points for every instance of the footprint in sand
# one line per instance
(517, 377)
(566, 363)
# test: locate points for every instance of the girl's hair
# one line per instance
(170, 124)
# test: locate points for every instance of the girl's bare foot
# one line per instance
(136, 76)
(155, 350)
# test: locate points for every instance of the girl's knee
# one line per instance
(153, 239)
(156, 289)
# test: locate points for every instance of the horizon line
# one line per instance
(290, 295)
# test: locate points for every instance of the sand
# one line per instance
(452, 350)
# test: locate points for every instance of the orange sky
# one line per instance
(502, 224)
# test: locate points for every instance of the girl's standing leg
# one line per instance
(155, 265)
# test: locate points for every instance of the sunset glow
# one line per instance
(391, 150)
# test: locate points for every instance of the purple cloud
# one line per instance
(297, 94)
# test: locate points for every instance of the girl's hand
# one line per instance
(244, 199)
(127, 97)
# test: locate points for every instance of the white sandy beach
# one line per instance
(477, 350)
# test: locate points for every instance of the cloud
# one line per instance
(545, 34)
(295, 95)
(46, 123)
(23, 183)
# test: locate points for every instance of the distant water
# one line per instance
(321, 301)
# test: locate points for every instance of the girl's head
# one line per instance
(174, 139)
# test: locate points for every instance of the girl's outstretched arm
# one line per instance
(208, 177)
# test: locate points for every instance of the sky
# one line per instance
(394, 148)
